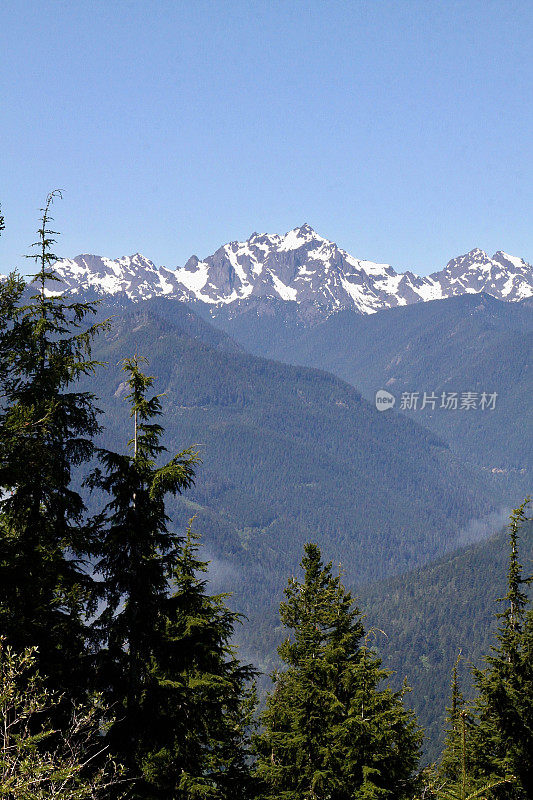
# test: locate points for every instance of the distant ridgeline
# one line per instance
(302, 269)
(302, 299)
(269, 457)
(435, 612)
(292, 454)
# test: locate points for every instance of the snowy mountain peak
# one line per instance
(299, 237)
(477, 254)
(504, 276)
(299, 266)
(134, 275)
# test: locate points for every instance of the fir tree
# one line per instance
(456, 779)
(503, 738)
(136, 556)
(205, 704)
(332, 730)
(46, 430)
(454, 754)
(166, 663)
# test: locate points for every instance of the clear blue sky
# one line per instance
(402, 130)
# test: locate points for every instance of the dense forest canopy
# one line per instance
(118, 669)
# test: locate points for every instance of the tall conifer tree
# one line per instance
(46, 429)
(457, 776)
(204, 702)
(503, 738)
(455, 749)
(166, 664)
(332, 730)
(135, 560)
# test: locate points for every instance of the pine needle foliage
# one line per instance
(46, 431)
(457, 778)
(136, 554)
(503, 738)
(455, 755)
(205, 700)
(333, 730)
(165, 663)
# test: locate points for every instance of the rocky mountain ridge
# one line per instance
(300, 267)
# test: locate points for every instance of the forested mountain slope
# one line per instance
(431, 614)
(290, 455)
(470, 343)
(293, 455)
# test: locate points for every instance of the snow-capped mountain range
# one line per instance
(300, 267)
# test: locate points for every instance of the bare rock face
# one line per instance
(503, 276)
(300, 267)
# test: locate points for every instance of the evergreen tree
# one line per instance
(166, 663)
(503, 738)
(46, 430)
(203, 706)
(456, 778)
(454, 754)
(332, 730)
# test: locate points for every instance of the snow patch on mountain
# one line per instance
(299, 267)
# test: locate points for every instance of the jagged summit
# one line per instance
(300, 266)
(503, 276)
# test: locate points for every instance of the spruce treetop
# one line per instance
(332, 729)
(46, 431)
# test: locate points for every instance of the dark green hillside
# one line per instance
(289, 445)
(468, 343)
(261, 325)
(291, 455)
(183, 318)
(432, 613)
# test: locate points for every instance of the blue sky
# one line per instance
(402, 130)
